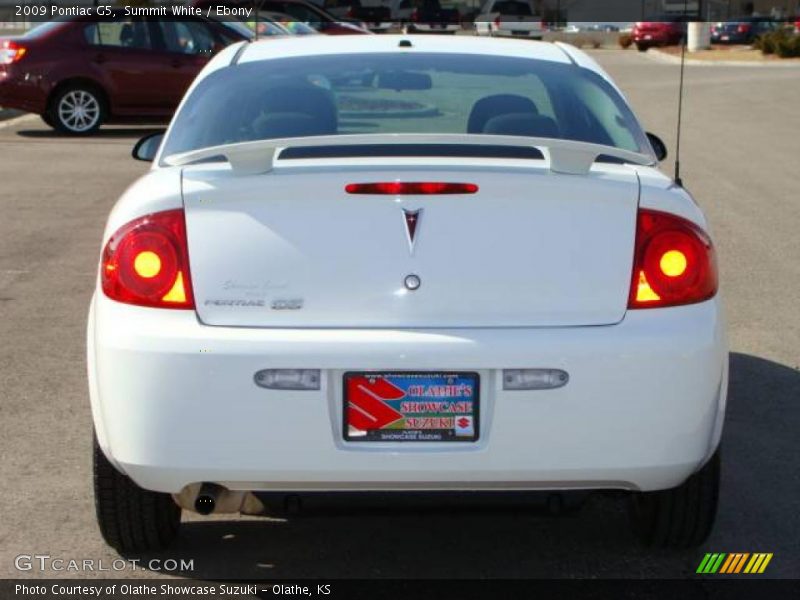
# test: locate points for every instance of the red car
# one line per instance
(80, 73)
(657, 33)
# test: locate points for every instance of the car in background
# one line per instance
(267, 24)
(289, 23)
(510, 18)
(665, 32)
(742, 31)
(79, 73)
(302, 11)
(371, 13)
(428, 16)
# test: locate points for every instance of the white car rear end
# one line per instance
(510, 18)
(540, 311)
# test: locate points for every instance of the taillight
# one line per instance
(414, 15)
(146, 262)
(674, 262)
(11, 52)
(350, 12)
(744, 28)
(497, 22)
(395, 188)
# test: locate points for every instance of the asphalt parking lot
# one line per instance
(741, 150)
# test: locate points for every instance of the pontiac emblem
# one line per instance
(412, 218)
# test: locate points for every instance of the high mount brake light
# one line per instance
(11, 52)
(146, 262)
(395, 188)
(674, 262)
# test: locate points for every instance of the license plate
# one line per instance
(648, 37)
(726, 38)
(411, 407)
(519, 32)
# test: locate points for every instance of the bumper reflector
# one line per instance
(288, 379)
(534, 379)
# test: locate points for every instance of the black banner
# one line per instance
(551, 11)
(182, 589)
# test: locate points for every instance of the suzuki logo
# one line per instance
(412, 218)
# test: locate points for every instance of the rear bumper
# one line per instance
(500, 32)
(379, 26)
(651, 37)
(433, 28)
(174, 403)
(21, 94)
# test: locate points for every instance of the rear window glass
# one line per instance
(403, 93)
(513, 8)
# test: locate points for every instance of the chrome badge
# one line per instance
(411, 218)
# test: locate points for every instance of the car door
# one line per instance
(121, 51)
(184, 47)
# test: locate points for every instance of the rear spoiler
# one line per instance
(565, 156)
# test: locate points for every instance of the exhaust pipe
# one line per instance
(206, 501)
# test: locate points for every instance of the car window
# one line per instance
(403, 93)
(604, 115)
(300, 12)
(186, 37)
(122, 33)
(267, 27)
(509, 7)
(235, 27)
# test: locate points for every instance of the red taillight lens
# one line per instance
(414, 15)
(11, 52)
(497, 22)
(744, 28)
(395, 188)
(146, 262)
(674, 262)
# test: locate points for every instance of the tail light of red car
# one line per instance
(146, 262)
(11, 52)
(674, 262)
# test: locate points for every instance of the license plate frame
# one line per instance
(402, 395)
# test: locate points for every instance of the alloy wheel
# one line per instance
(79, 111)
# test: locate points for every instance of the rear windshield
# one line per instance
(403, 93)
(509, 7)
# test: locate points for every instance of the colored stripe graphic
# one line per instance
(727, 564)
(711, 563)
(722, 563)
(735, 562)
(703, 564)
(758, 563)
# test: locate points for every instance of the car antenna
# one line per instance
(677, 177)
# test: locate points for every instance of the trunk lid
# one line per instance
(291, 248)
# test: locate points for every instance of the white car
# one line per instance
(404, 264)
(510, 18)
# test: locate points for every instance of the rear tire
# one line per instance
(77, 109)
(641, 47)
(681, 517)
(131, 519)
